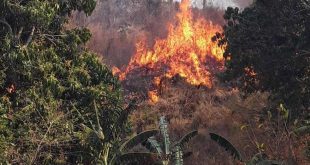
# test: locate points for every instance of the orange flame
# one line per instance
(153, 97)
(115, 70)
(184, 52)
(250, 72)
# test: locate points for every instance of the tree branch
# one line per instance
(40, 143)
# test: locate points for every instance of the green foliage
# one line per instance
(268, 49)
(153, 145)
(138, 139)
(58, 103)
(302, 130)
(157, 155)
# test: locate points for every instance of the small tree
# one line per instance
(267, 49)
(160, 153)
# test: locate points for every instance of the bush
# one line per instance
(268, 50)
(51, 87)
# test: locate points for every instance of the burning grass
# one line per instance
(184, 52)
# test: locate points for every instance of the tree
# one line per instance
(162, 153)
(267, 48)
(53, 90)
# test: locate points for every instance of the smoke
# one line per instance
(117, 25)
(243, 3)
(222, 4)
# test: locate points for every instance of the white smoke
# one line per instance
(222, 4)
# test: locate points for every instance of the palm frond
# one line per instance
(302, 130)
(138, 139)
(186, 138)
(178, 156)
(227, 145)
(152, 145)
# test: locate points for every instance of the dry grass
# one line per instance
(223, 111)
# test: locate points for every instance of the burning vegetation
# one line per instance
(185, 52)
(61, 104)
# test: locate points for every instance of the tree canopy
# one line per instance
(267, 48)
(54, 93)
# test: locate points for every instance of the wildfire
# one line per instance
(115, 70)
(184, 52)
(153, 96)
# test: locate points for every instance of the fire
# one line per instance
(250, 72)
(153, 96)
(184, 52)
(115, 70)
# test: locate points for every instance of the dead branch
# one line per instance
(40, 144)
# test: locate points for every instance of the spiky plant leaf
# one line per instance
(227, 145)
(100, 130)
(138, 139)
(186, 138)
(152, 145)
(138, 158)
(302, 130)
(178, 155)
(123, 116)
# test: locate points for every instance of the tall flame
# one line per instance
(184, 52)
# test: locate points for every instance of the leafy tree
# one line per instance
(160, 152)
(52, 89)
(267, 48)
